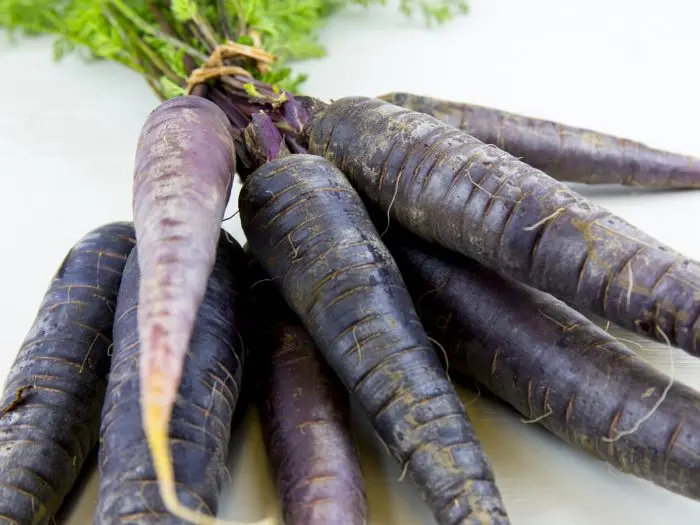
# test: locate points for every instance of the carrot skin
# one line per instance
(451, 189)
(305, 419)
(548, 361)
(201, 420)
(566, 153)
(310, 232)
(59, 378)
(182, 182)
(185, 162)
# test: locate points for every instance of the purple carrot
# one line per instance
(50, 407)
(185, 162)
(452, 189)
(564, 152)
(310, 231)
(305, 417)
(555, 366)
(201, 424)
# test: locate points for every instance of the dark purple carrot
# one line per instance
(200, 427)
(564, 152)
(185, 162)
(305, 418)
(555, 366)
(311, 233)
(50, 408)
(451, 189)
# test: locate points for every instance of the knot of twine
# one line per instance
(214, 67)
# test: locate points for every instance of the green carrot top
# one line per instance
(166, 40)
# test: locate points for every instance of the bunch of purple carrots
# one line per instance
(388, 239)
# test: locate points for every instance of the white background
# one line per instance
(68, 133)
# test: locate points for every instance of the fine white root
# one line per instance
(630, 280)
(661, 399)
(404, 471)
(261, 281)
(357, 344)
(444, 353)
(543, 221)
(391, 204)
(538, 418)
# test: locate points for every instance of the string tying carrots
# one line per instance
(215, 65)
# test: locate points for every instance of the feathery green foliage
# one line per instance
(163, 40)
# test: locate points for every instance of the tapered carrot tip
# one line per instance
(564, 152)
(156, 417)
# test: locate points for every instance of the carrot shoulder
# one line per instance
(201, 423)
(555, 366)
(564, 152)
(50, 407)
(310, 231)
(451, 189)
(185, 162)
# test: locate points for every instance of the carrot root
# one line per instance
(342, 282)
(558, 369)
(564, 152)
(453, 190)
(51, 402)
(183, 177)
(178, 454)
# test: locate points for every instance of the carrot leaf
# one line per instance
(165, 40)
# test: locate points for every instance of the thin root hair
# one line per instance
(476, 397)
(548, 218)
(404, 471)
(295, 249)
(444, 353)
(386, 447)
(228, 475)
(269, 279)
(230, 216)
(426, 294)
(539, 418)
(630, 285)
(242, 343)
(662, 397)
(487, 192)
(357, 344)
(391, 204)
(229, 237)
(97, 273)
(631, 341)
(564, 327)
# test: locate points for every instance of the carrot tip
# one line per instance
(156, 422)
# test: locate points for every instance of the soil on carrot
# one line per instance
(20, 397)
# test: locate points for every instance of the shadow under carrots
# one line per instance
(250, 495)
(75, 510)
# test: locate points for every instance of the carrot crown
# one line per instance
(237, 53)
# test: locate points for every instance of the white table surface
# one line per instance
(67, 138)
